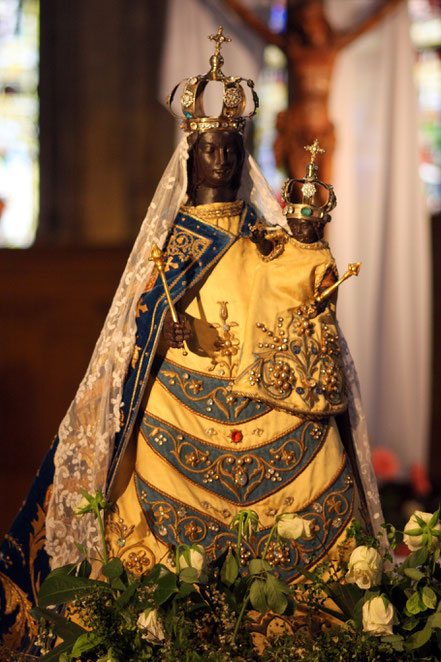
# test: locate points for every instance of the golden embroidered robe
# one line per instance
(199, 453)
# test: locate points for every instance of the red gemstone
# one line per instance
(236, 436)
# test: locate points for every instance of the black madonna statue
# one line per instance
(158, 423)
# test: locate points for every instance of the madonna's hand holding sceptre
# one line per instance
(176, 331)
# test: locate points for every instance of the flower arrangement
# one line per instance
(203, 611)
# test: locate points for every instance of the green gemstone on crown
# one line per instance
(306, 211)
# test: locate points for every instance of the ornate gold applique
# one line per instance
(36, 543)
(136, 557)
(227, 344)
(17, 601)
(212, 398)
(239, 474)
(214, 210)
(301, 356)
(182, 246)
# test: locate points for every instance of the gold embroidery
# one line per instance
(245, 471)
(36, 543)
(182, 246)
(214, 210)
(197, 385)
(136, 557)
(301, 358)
(227, 343)
(17, 600)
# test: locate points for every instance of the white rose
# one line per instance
(378, 619)
(198, 561)
(291, 527)
(415, 542)
(364, 567)
(149, 621)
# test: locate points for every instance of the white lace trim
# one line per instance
(360, 437)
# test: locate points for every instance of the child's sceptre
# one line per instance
(353, 270)
(157, 256)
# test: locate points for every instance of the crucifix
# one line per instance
(311, 46)
(219, 38)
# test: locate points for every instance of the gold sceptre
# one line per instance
(353, 270)
(157, 256)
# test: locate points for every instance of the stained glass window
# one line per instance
(19, 171)
(426, 36)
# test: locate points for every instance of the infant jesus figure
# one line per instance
(291, 355)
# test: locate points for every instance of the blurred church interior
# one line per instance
(85, 136)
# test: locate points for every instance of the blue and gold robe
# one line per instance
(191, 453)
(198, 452)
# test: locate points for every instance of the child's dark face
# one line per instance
(307, 232)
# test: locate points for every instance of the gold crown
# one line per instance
(233, 102)
(306, 210)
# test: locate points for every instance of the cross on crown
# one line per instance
(219, 38)
(314, 149)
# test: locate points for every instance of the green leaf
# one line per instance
(258, 596)
(80, 548)
(185, 590)
(189, 575)
(277, 600)
(259, 565)
(413, 573)
(230, 569)
(86, 642)
(63, 570)
(414, 604)
(416, 558)
(62, 626)
(435, 620)
(394, 640)
(410, 623)
(113, 569)
(85, 569)
(429, 597)
(58, 652)
(418, 639)
(158, 572)
(166, 586)
(59, 589)
(125, 597)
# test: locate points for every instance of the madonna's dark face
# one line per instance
(214, 164)
(217, 156)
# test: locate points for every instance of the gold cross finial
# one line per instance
(314, 149)
(219, 38)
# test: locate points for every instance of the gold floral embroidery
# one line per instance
(17, 600)
(182, 246)
(240, 474)
(302, 356)
(212, 398)
(136, 557)
(227, 344)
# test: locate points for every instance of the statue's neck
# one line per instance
(205, 195)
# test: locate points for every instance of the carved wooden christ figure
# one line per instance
(311, 46)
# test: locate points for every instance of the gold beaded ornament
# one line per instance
(231, 117)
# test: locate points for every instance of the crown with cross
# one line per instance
(231, 117)
(306, 209)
